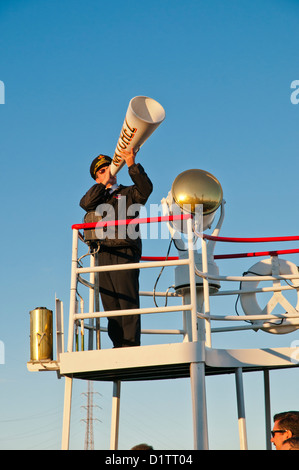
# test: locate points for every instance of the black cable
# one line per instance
(159, 275)
(236, 310)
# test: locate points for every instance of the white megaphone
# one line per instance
(143, 116)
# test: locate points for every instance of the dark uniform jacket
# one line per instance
(119, 207)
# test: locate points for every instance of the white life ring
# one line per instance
(249, 301)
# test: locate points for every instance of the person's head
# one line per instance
(100, 170)
(286, 425)
(142, 447)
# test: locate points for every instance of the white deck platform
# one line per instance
(133, 363)
(220, 361)
(165, 361)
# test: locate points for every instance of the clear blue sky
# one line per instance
(223, 72)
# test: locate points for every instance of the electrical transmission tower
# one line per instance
(89, 440)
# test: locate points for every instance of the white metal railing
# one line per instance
(260, 320)
(194, 271)
(92, 270)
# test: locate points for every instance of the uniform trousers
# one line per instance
(119, 290)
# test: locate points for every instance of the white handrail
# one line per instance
(193, 272)
(246, 278)
(92, 269)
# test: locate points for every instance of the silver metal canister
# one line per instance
(41, 334)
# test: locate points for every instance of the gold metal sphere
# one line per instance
(194, 187)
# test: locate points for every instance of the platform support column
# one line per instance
(241, 409)
(199, 406)
(67, 413)
(115, 415)
(267, 409)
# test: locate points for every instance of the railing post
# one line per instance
(192, 281)
(197, 369)
(97, 303)
(59, 328)
(73, 290)
(206, 293)
(91, 303)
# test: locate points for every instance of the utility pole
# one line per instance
(89, 440)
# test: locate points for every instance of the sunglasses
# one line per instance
(102, 170)
(278, 430)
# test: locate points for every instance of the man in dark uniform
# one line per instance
(121, 244)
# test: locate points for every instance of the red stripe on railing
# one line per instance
(257, 253)
(251, 240)
(159, 258)
(169, 218)
(145, 220)
(227, 256)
